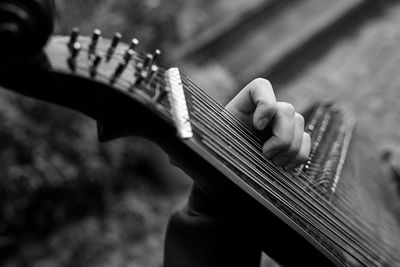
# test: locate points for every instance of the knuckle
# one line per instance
(266, 149)
(299, 118)
(306, 147)
(261, 82)
(273, 108)
(290, 167)
(278, 145)
(269, 108)
(302, 158)
(287, 109)
(293, 150)
(284, 145)
(307, 139)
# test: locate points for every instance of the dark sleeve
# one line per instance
(198, 236)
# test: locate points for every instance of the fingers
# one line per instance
(302, 156)
(283, 131)
(289, 146)
(255, 104)
(263, 97)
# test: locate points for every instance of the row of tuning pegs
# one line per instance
(146, 69)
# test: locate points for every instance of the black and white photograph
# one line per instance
(208, 133)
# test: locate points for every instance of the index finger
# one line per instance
(256, 98)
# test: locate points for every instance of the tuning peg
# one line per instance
(131, 49)
(114, 43)
(147, 61)
(122, 65)
(93, 44)
(128, 55)
(156, 55)
(73, 38)
(146, 75)
(151, 74)
(134, 44)
(151, 59)
(75, 49)
(118, 71)
(140, 77)
(95, 64)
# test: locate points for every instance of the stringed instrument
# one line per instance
(326, 212)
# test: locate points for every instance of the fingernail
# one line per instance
(261, 123)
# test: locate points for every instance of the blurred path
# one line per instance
(266, 38)
(362, 72)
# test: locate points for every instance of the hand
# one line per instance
(255, 105)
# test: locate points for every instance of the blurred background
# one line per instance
(68, 200)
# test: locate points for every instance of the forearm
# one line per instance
(199, 236)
